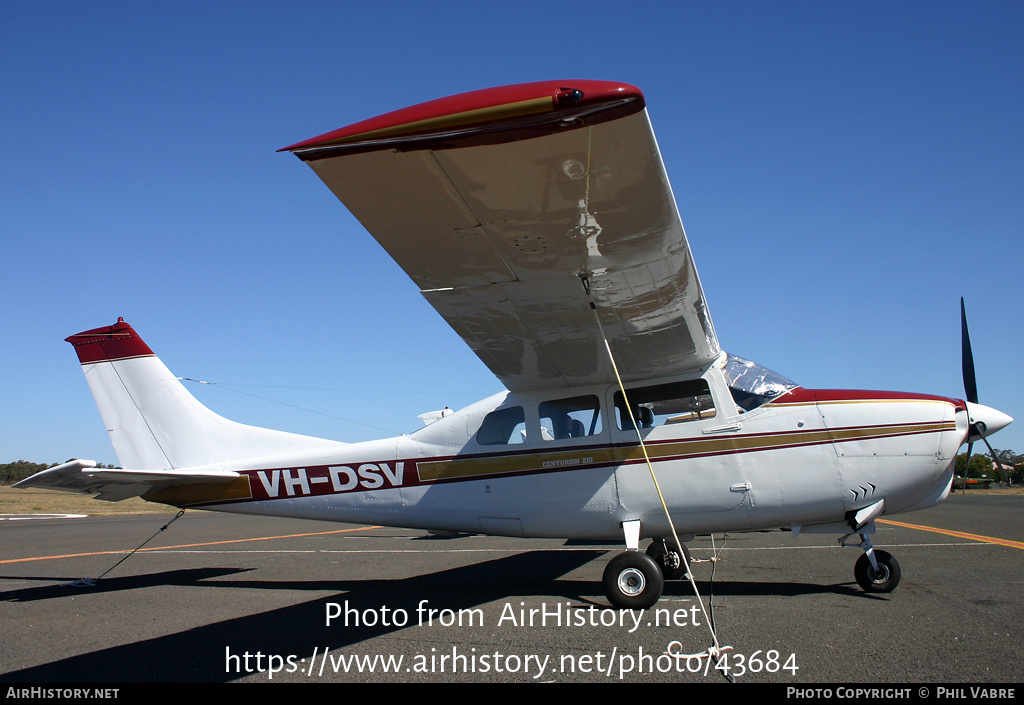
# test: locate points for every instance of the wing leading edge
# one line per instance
(501, 203)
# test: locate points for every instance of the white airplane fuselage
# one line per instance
(805, 458)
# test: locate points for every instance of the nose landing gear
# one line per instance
(876, 571)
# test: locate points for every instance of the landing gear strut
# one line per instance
(876, 571)
(633, 580)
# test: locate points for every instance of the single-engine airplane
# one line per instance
(539, 222)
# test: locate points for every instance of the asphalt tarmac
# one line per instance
(219, 598)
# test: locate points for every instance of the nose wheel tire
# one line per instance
(632, 580)
(885, 579)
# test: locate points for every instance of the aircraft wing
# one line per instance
(502, 204)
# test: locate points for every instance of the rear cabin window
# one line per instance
(575, 417)
(661, 404)
(503, 427)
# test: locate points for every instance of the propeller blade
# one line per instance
(967, 467)
(992, 453)
(982, 420)
(967, 357)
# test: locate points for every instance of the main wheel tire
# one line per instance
(632, 580)
(658, 550)
(885, 579)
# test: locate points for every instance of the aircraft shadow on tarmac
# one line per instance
(199, 654)
(65, 588)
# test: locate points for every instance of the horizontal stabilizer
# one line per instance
(113, 485)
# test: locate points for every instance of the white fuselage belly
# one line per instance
(782, 465)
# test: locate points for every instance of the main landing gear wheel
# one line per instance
(632, 580)
(672, 568)
(885, 579)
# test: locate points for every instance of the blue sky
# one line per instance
(845, 172)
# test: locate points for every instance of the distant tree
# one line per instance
(978, 466)
(981, 464)
(19, 470)
(1013, 460)
(1008, 457)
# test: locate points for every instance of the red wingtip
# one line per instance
(411, 120)
(115, 342)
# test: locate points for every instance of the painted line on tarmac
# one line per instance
(188, 545)
(25, 517)
(958, 534)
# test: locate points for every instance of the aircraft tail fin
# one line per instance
(153, 421)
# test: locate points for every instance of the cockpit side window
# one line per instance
(657, 405)
(503, 427)
(574, 417)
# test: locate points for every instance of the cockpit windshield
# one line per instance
(752, 385)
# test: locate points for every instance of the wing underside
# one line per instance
(505, 223)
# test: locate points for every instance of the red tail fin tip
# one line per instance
(115, 342)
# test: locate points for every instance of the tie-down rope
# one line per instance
(91, 582)
(715, 650)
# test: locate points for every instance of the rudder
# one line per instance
(153, 421)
